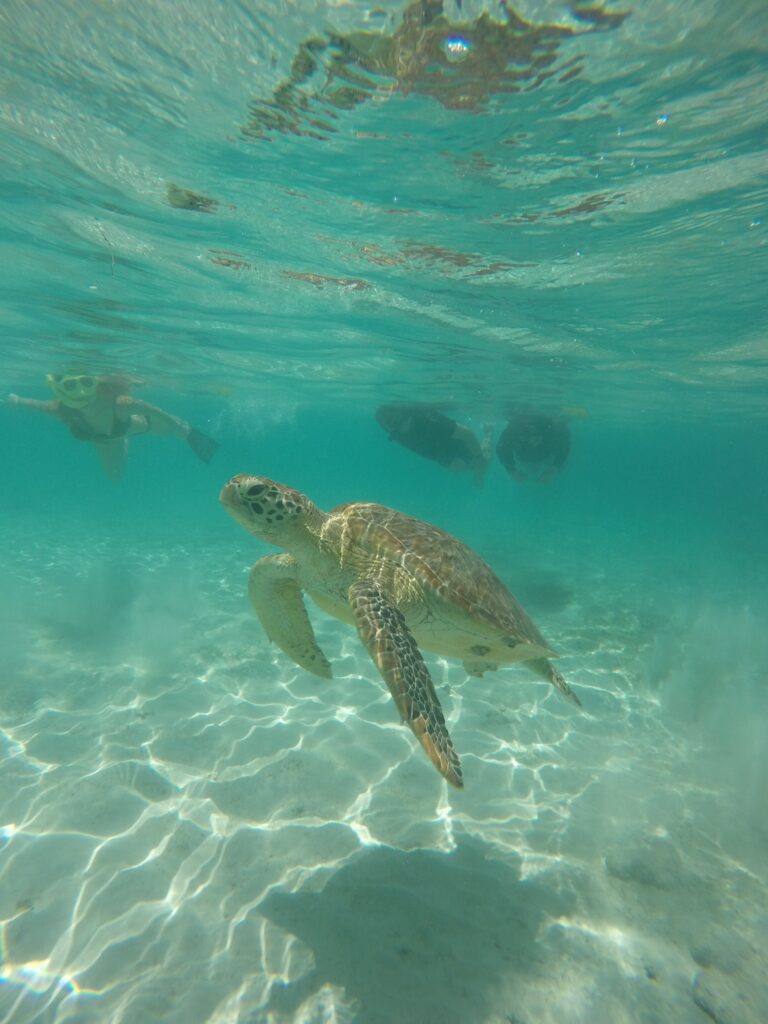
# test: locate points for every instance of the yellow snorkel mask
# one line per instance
(73, 390)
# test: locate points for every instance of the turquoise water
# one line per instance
(570, 215)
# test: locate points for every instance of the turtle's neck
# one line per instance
(303, 536)
(314, 520)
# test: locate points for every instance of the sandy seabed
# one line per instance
(193, 829)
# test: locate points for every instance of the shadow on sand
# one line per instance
(420, 936)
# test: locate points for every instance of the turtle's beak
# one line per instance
(230, 494)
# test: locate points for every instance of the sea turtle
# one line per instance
(403, 583)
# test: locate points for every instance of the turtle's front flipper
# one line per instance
(546, 670)
(385, 634)
(276, 598)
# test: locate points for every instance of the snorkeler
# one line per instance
(534, 445)
(433, 435)
(103, 411)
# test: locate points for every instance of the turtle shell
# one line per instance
(446, 571)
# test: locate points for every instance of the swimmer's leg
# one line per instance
(154, 420)
(112, 456)
(162, 424)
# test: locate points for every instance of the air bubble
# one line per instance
(456, 49)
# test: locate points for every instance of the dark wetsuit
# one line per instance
(431, 434)
(534, 438)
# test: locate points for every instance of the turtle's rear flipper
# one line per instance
(388, 640)
(276, 599)
(202, 445)
(546, 670)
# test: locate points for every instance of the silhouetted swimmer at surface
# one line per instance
(433, 435)
(534, 446)
(103, 411)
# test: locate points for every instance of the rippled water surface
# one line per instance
(277, 218)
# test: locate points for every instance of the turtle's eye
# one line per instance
(255, 490)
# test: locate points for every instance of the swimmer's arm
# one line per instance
(513, 469)
(50, 407)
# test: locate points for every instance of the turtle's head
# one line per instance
(269, 510)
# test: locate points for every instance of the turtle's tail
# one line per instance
(546, 670)
(564, 688)
(203, 446)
